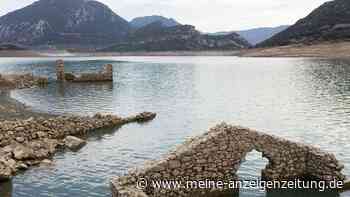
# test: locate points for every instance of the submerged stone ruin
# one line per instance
(21, 81)
(34, 141)
(218, 154)
(25, 143)
(105, 75)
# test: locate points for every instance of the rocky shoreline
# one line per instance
(28, 138)
(11, 109)
(21, 81)
(25, 143)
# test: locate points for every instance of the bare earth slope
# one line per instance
(329, 22)
(324, 50)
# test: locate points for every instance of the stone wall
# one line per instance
(105, 75)
(218, 154)
(21, 81)
(25, 143)
(108, 70)
(60, 73)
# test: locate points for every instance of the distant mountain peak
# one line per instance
(155, 37)
(140, 22)
(260, 34)
(330, 21)
(90, 24)
(78, 22)
(254, 35)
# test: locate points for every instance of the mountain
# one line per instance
(54, 22)
(89, 24)
(257, 35)
(156, 37)
(8, 47)
(329, 22)
(146, 20)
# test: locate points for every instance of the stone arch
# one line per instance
(217, 155)
(260, 162)
(252, 156)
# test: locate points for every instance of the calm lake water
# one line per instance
(305, 100)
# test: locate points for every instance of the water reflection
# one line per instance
(59, 98)
(305, 100)
(46, 66)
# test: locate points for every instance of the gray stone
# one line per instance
(20, 129)
(20, 139)
(23, 153)
(5, 172)
(217, 155)
(174, 164)
(74, 143)
(22, 166)
(46, 162)
(25, 143)
(10, 163)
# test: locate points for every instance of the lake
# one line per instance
(301, 99)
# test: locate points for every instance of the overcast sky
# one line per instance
(206, 15)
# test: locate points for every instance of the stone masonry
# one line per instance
(218, 154)
(21, 81)
(60, 70)
(105, 75)
(26, 143)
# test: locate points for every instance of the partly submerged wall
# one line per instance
(105, 75)
(217, 155)
(25, 143)
(21, 81)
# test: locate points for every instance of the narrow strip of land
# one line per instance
(321, 50)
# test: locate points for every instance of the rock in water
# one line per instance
(145, 116)
(74, 143)
(22, 166)
(69, 76)
(46, 162)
